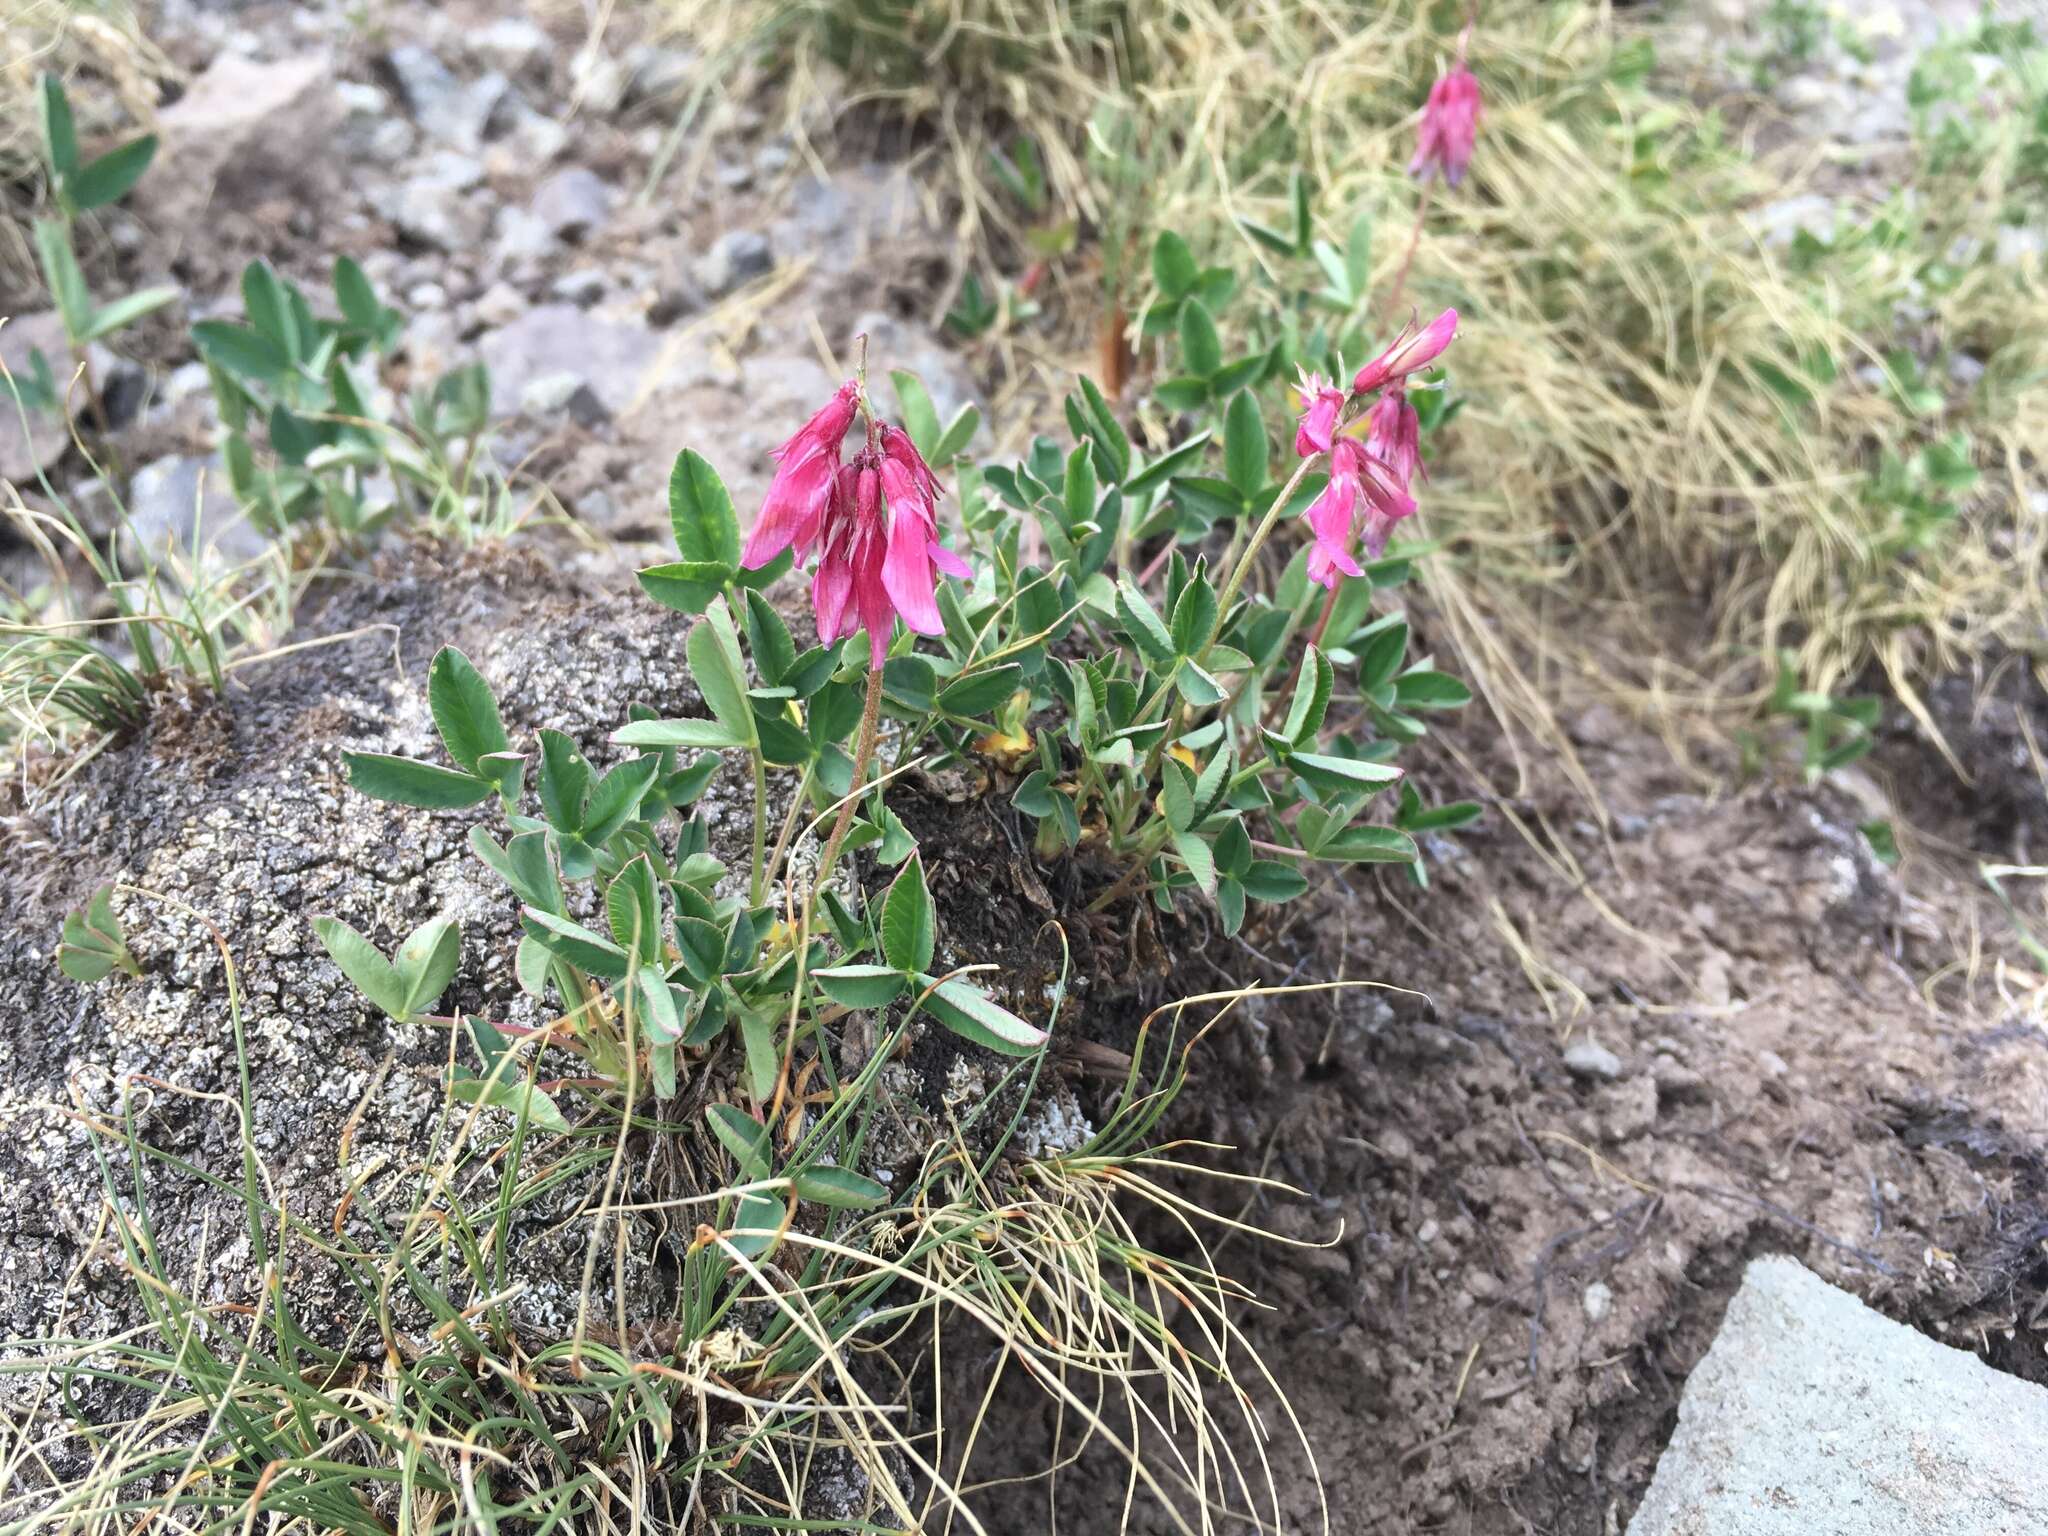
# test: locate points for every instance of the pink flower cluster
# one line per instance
(1450, 123)
(1370, 478)
(873, 520)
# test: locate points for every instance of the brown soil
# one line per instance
(1509, 1267)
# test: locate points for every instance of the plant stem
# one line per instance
(754, 883)
(1130, 878)
(1408, 259)
(1230, 591)
(1323, 622)
(1251, 551)
(796, 804)
(870, 726)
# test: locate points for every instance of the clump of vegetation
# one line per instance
(1818, 437)
(317, 455)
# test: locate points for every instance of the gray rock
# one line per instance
(182, 504)
(611, 355)
(737, 257)
(1597, 1300)
(2019, 245)
(521, 239)
(429, 295)
(363, 106)
(510, 43)
(530, 139)
(1781, 222)
(245, 133)
(500, 304)
(27, 451)
(450, 111)
(1812, 1413)
(658, 75)
(433, 206)
(1589, 1059)
(572, 203)
(840, 221)
(583, 287)
(558, 394)
(599, 82)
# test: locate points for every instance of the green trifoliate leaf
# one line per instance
(1246, 451)
(713, 651)
(861, 986)
(746, 1138)
(685, 585)
(576, 944)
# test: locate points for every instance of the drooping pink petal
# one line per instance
(1450, 123)
(825, 432)
(948, 562)
(830, 589)
(1322, 404)
(795, 497)
(1394, 436)
(907, 572)
(873, 522)
(1408, 353)
(871, 596)
(899, 449)
(1329, 519)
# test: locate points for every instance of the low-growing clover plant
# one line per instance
(674, 967)
(313, 438)
(1146, 711)
(77, 187)
(93, 943)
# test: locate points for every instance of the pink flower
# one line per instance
(1408, 353)
(874, 521)
(1322, 405)
(1450, 120)
(1356, 478)
(1393, 435)
(803, 481)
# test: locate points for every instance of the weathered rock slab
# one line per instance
(1812, 1413)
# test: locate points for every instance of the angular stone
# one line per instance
(1590, 1059)
(183, 502)
(24, 454)
(456, 113)
(737, 257)
(572, 203)
(247, 132)
(1812, 1413)
(609, 355)
(435, 206)
(510, 43)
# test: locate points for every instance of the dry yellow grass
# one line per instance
(1622, 453)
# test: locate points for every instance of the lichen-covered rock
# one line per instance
(229, 823)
